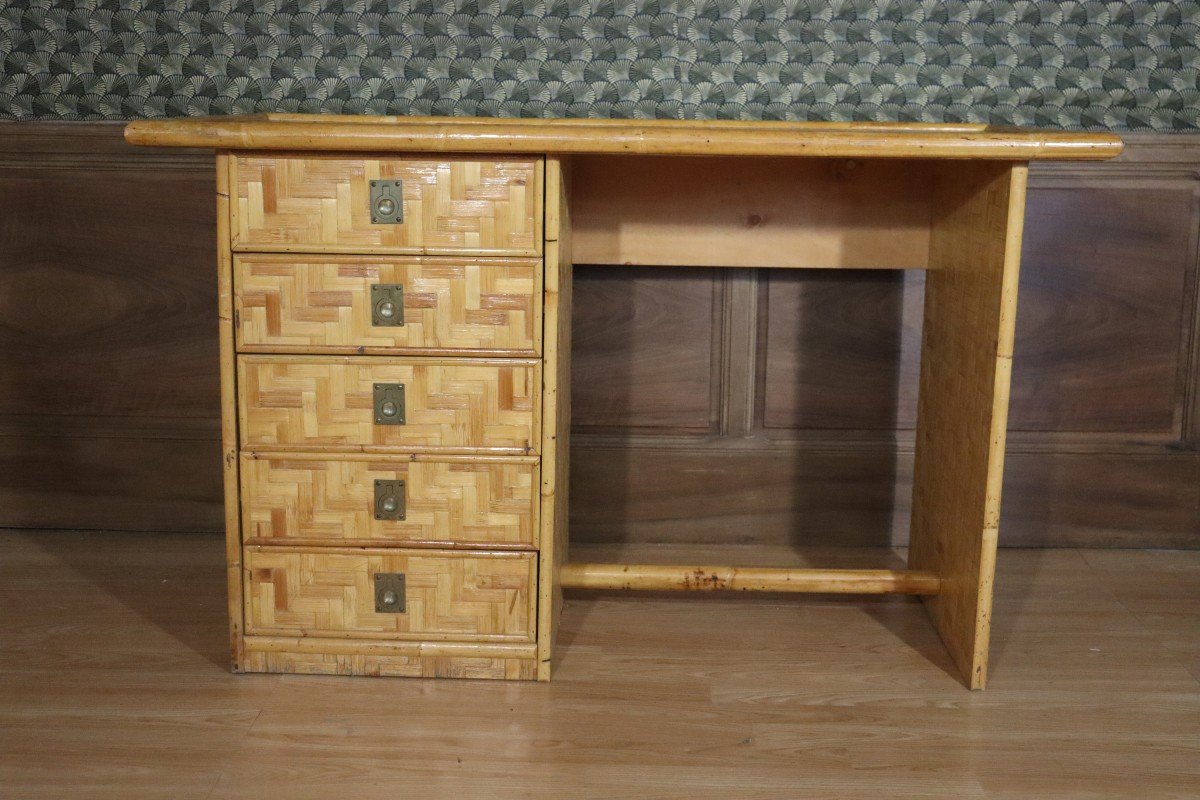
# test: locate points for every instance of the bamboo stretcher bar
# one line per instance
(654, 577)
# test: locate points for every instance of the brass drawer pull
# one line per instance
(387, 202)
(388, 402)
(387, 305)
(389, 592)
(389, 500)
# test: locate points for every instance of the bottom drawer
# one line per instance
(447, 595)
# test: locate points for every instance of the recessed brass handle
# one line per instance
(389, 593)
(387, 304)
(387, 202)
(388, 402)
(389, 500)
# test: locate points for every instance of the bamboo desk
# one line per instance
(395, 335)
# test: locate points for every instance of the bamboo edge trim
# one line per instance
(653, 577)
(666, 137)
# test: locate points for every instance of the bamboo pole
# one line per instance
(229, 417)
(653, 577)
(633, 137)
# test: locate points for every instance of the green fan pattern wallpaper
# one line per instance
(1076, 64)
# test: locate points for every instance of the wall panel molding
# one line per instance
(687, 428)
(857, 494)
(95, 146)
(108, 358)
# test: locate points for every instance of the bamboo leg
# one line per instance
(556, 411)
(966, 362)
(229, 435)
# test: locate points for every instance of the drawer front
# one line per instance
(444, 304)
(448, 595)
(449, 406)
(318, 203)
(295, 500)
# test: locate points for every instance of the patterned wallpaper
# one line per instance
(1083, 63)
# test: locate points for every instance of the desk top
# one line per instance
(622, 136)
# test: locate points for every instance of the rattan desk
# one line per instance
(395, 334)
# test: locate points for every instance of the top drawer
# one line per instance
(323, 204)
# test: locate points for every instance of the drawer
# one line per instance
(311, 499)
(453, 405)
(329, 304)
(447, 594)
(323, 204)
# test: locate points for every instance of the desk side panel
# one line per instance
(966, 363)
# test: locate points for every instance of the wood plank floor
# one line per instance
(113, 685)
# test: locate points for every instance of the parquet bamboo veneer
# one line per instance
(305, 498)
(324, 582)
(321, 204)
(482, 305)
(451, 595)
(449, 406)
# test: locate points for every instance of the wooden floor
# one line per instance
(113, 684)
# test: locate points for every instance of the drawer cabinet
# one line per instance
(394, 504)
(357, 304)
(306, 498)
(437, 595)
(317, 203)
(467, 405)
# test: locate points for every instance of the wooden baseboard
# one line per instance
(861, 497)
(110, 483)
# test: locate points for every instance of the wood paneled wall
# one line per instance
(731, 405)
